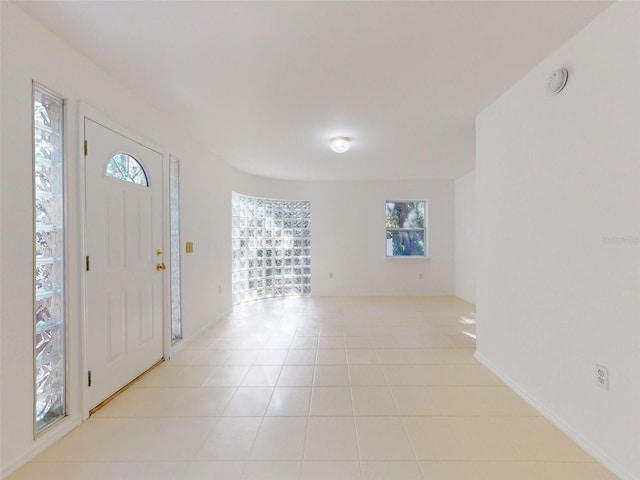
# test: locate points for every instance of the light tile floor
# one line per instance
(321, 389)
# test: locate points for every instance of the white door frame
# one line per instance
(86, 111)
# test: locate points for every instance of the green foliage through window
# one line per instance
(406, 229)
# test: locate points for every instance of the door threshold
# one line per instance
(114, 395)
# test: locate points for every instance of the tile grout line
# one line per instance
(353, 411)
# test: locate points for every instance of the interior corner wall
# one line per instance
(30, 52)
(465, 212)
(558, 209)
(348, 235)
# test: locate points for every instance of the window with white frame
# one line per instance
(406, 225)
(271, 248)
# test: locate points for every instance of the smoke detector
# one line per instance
(557, 80)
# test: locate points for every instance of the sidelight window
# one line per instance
(174, 212)
(49, 269)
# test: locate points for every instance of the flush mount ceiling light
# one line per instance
(340, 144)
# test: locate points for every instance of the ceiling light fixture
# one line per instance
(340, 144)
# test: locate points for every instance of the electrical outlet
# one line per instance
(602, 377)
(330, 275)
(419, 276)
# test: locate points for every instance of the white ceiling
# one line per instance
(264, 85)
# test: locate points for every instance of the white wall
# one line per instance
(348, 235)
(465, 213)
(558, 205)
(2, 235)
(348, 221)
(31, 53)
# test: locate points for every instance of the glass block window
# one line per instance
(49, 274)
(174, 194)
(271, 248)
(126, 168)
(406, 229)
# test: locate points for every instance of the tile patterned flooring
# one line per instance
(321, 389)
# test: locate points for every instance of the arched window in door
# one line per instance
(126, 168)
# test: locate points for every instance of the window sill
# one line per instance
(407, 257)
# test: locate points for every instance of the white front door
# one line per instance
(123, 314)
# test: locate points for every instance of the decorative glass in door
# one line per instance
(126, 168)
(49, 271)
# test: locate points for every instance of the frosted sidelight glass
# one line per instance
(49, 321)
(174, 193)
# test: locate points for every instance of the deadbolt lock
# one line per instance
(161, 266)
(158, 252)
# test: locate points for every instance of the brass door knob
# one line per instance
(161, 266)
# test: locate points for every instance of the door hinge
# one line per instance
(89, 378)
(87, 262)
(86, 148)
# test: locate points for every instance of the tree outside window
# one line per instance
(406, 228)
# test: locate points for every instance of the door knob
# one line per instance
(161, 266)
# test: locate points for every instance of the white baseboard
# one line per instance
(557, 422)
(42, 443)
(186, 341)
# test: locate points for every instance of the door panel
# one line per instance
(115, 247)
(117, 326)
(123, 287)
